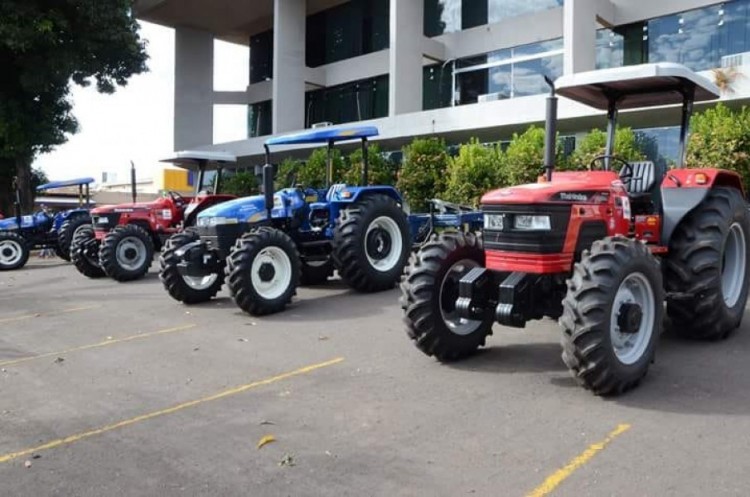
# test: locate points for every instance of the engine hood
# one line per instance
(576, 187)
(240, 209)
(130, 207)
(8, 223)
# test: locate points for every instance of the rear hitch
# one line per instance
(197, 259)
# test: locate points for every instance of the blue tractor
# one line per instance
(20, 234)
(266, 245)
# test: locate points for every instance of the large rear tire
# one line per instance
(14, 251)
(85, 257)
(67, 232)
(263, 271)
(371, 244)
(429, 292)
(186, 289)
(612, 315)
(709, 264)
(126, 253)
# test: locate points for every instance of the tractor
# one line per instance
(20, 234)
(124, 237)
(266, 245)
(603, 250)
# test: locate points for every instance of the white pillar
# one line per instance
(579, 34)
(288, 65)
(405, 78)
(193, 88)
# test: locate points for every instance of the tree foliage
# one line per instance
(476, 170)
(721, 138)
(241, 184)
(44, 46)
(423, 172)
(594, 144)
(524, 157)
(380, 170)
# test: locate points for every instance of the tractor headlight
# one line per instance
(216, 221)
(531, 223)
(494, 222)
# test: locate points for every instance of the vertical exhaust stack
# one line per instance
(17, 201)
(132, 180)
(550, 131)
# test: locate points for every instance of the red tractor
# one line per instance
(600, 251)
(124, 237)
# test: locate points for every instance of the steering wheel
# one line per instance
(178, 199)
(626, 172)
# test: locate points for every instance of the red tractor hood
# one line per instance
(160, 203)
(573, 186)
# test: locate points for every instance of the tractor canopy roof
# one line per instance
(645, 85)
(325, 135)
(63, 184)
(192, 159)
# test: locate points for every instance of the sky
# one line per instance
(136, 122)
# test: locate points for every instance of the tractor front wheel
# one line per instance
(612, 315)
(371, 244)
(263, 271)
(14, 251)
(84, 253)
(126, 253)
(429, 292)
(184, 288)
(67, 232)
(708, 267)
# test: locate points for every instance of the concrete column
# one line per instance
(193, 88)
(405, 68)
(579, 34)
(288, 65)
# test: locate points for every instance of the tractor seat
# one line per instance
(643, 178)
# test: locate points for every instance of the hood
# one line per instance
(565, 187)
(159, 203)
(240, 209)
(8, 223)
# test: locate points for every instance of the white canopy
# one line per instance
(189, 159)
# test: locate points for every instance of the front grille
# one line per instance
(537, 242)
(105, 222)
(223, 236)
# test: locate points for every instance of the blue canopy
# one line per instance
(61, 184)
(325, 135)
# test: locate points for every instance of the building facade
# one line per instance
(450, 68)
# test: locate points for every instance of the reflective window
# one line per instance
(503, 9)
(259, 119)
(447, 16)
(356, 101)
(261, 57)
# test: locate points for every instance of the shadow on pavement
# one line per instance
(532, 357)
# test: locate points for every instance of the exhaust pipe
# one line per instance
(132, 180)
(550, 128)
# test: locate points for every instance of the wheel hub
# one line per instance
(378, 244)
(130, 253)
(7, 252)
(629, 318)
(266, 272)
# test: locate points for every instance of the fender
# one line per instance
(682, 190)
(351, 194)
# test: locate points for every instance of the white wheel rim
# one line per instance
(630, 347)
(383, 244)
(11, 252)
(131, 253)
(200, 282)
(279, 282)
(449, 295)
(733, 265)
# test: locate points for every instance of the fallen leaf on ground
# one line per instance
(27, 464)
(287, 460)
(322, 337)
(59, 360)
(266, 422)
(266, 440)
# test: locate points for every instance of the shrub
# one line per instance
(476, 170)
(721, 138)
(380, 171)
(524, 157)
(423, 172)
(241, 184)
(288, 168)
(594, 144)
(313, 173)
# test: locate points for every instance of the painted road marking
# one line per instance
(44, 314)
(170, 410)
(97, 345)
(556, 478)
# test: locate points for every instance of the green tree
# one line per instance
(313, 173)
(44, 47)
(524, 157)
(241, 184)
(476, 170)
(423, 172)
(380, 170)
(721, 138)
(287, 172)
(594, 144)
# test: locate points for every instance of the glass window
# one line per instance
(437, 80)
(441, 16)
(259, 119)
(261, 57)
(357, 101)
(502, 9)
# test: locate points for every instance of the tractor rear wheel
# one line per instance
(126, 253)
(371, 244)
(429, 292)
(84, 253)
(263, 271)
(709, 263)
(183, 288)
(612, 315)
(316, 272)
(14, 251)
(67, 232)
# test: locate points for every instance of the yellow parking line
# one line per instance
(556, 478)
(145, 417)
(44, 314)
(97, 345)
